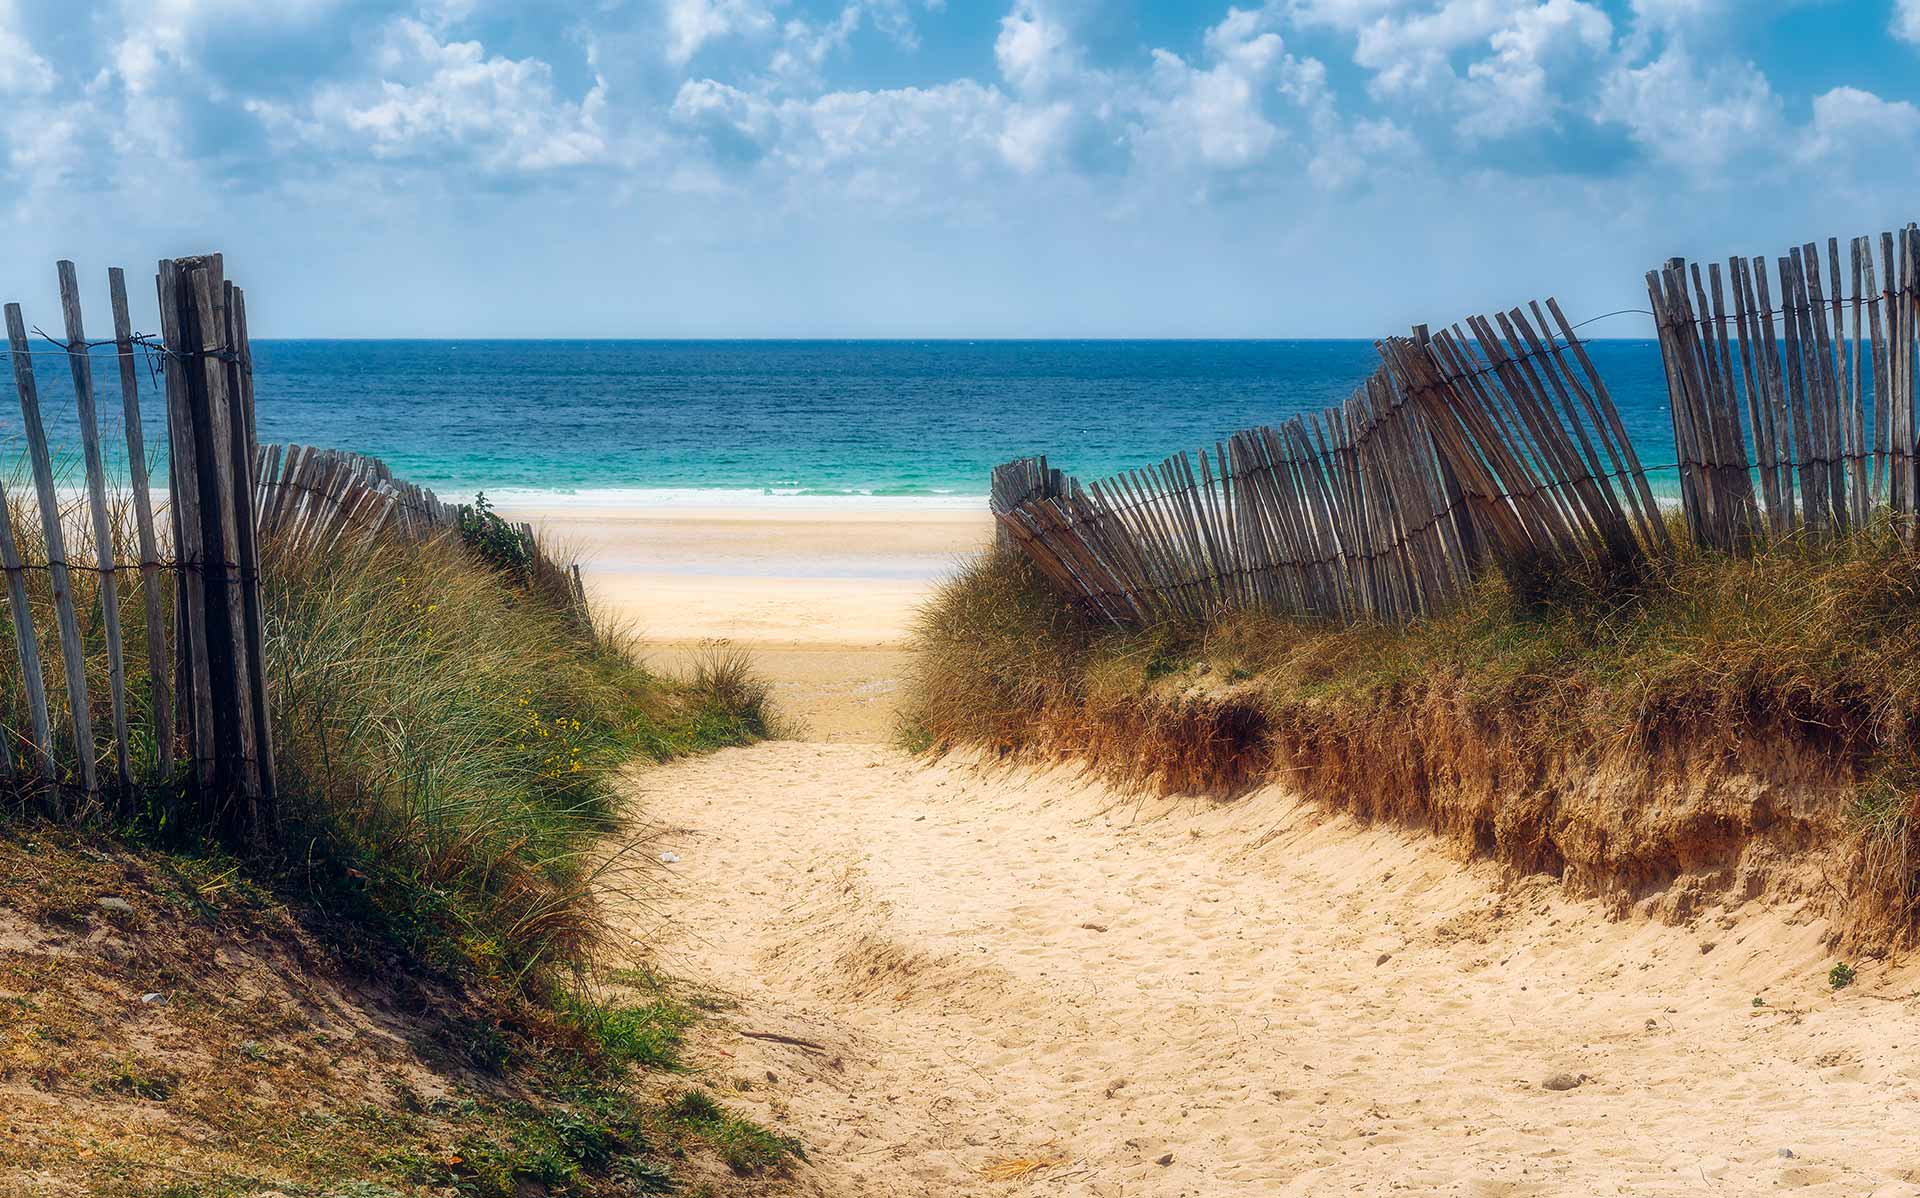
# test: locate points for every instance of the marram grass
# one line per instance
(448, 737)
(454, 741)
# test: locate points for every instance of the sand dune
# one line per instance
(1170, 998)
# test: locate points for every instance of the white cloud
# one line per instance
(1215, 115)
(1850, 123)
(1523, 56)
(1346, 15)
(1342, 157)
(169, 31)
(1034, 134)
(1409, 53)
(1680, 15)
(1516, 88)
(435, 99)
(718, 109)
(1692, 117)
(51, 148)
(895, 143)
(1034, 49)
(1906, 20)
(693, 23)
(22, 72)
(804, 47)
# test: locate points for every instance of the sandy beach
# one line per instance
(822, 597)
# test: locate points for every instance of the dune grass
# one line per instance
(1814, 645)
(451, 739)
(448, 734)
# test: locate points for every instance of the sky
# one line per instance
(939, 168)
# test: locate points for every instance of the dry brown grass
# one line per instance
(1717, 721)
(1015, 1168)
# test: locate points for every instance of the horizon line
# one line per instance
(847, 340)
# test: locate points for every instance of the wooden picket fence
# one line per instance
(205, 699)
(192, 713)
(1500, 443)
(1488, 444)
(1827, 395)
(308, 500)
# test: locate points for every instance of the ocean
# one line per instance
(784, 423)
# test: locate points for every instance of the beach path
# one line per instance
(822, 597)
(1022, 984)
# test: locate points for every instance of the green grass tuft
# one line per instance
(745, 1146)
(451, 745)
(648, 1035)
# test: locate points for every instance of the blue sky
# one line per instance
(467, 168)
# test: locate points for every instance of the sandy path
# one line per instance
(1001, 966)
(822, 596)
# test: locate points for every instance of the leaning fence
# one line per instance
(1497, 442)
(198, 573)
(187, 708)
(311, 500)
(1494, 442)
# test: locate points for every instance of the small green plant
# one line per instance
(729, 699)
(911, 736)
(647, 1035)
(744, 1145)
(495, 541)
(1840, 976)
(140, 1080)
(1758, 1001)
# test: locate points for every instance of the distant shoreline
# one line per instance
(585, 500)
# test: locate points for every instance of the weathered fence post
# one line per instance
(219, 562)
(159, 683)
(71, 651)
(81, 364)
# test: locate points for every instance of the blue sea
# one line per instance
(780, 422)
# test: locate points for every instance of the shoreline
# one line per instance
(674, 500)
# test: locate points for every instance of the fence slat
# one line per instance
(26, 642)
(71, 650)
(81, 364)
(185, 489)
(160, 684)
(246, 455)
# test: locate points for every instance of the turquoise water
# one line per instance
(783, 422)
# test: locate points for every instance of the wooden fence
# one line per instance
(309, 499)
(188, 708)
(1500, 442)
(1481, 444)
(207, 695)
(1828, 394)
